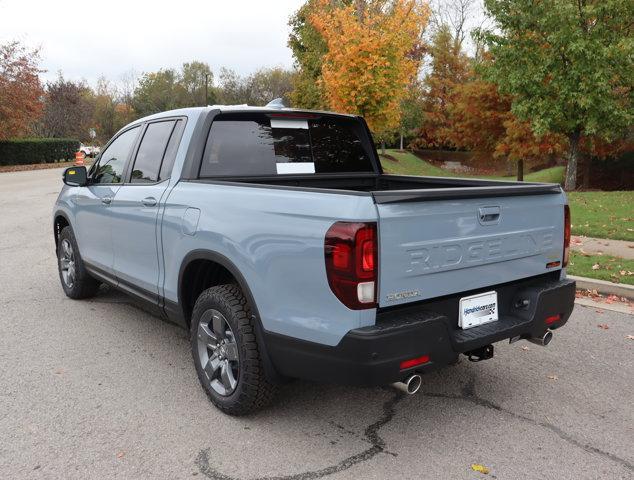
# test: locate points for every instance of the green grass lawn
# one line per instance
(603, 214)
(410, 164)
(595, 214)
(611, 269)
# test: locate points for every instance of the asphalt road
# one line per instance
(100, 389)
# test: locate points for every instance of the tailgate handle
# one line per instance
(489, 215)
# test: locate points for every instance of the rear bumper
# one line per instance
(372, 355)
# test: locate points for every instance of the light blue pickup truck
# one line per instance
(275, 237)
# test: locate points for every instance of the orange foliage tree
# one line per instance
(481, 121)
(449, 69)
(373, 54)
(20, 90)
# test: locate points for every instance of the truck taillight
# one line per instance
(566, 236)
(351, 263)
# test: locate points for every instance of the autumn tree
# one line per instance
(20, 90)
(482, 122)
(112, 109)
(568, 65)
(448, 69)
(68, 110)
(373, 54)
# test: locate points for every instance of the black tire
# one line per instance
(82, 284)
(252, 391)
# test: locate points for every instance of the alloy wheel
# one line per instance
(67, 263)
(218, 352)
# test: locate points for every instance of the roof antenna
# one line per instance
(277, 103)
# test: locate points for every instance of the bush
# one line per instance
(37, 150)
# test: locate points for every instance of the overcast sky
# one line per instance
(87, 39)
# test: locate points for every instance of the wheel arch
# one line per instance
(60, 220)
(225, 263)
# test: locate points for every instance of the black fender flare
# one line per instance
(59, 213)
(202, 254)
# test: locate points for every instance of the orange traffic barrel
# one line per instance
(79, 158)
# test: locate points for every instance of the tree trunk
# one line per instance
(401, 141)
(573, 160)
(383, 147)
(520, 170)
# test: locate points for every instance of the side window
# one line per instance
(147, 163)
(113, 158)
(172, 148)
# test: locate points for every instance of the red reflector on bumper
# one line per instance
(412, 362)
(552, 319)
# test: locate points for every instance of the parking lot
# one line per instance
(100, 389)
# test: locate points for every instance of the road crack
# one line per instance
(371, 434)
(468, 394)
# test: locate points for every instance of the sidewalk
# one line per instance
(596, 246)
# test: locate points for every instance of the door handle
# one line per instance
(106, 200)
(149, 201)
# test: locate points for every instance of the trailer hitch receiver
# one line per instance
(479, 354)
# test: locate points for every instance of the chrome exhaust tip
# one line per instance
(543, 341)
(411, 385)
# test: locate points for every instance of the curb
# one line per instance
(601, 286)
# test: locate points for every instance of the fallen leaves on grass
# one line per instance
(596, 266)
(476, 467)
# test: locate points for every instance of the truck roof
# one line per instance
(195, 111)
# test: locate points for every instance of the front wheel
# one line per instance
(76, 281)
(226, 355)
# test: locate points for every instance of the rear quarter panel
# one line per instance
(275, 238)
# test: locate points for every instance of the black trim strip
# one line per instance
(398, 196)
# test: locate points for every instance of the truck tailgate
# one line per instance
(432, 248)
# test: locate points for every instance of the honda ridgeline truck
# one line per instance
(274, 236)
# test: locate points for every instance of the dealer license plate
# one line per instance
(478, 310)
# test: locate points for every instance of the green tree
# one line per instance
(158, 92)
(412, 111)
(269, 83)
(196, 79)
(309, 48)
(568, 65)
(258, 88)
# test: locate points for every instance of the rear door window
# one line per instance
(263, 144)
(149, 157)
(172, 149)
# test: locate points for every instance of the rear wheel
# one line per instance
(76, 281)
(226, 354)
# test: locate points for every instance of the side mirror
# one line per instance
(76, 176)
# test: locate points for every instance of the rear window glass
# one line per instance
(259, 144)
